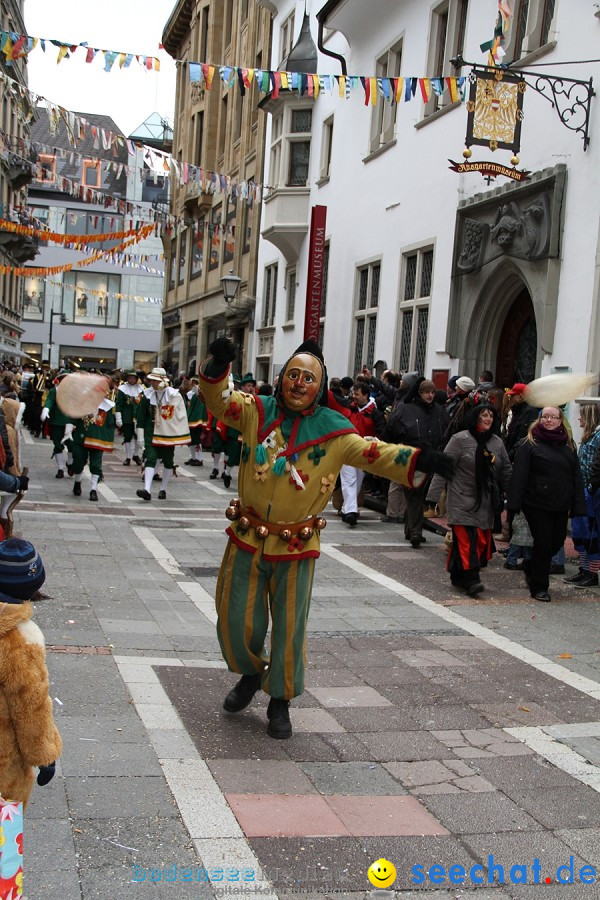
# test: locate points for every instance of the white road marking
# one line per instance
(560, 755)
(158, 550)
(201, 599)
(109, 495)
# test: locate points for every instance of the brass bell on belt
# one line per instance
(320, 523)
(232, 512)
(235, 502)
(262, 532)
(305, 533)
(244, 524)
(286, 535)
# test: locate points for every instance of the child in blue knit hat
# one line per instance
(28, 735)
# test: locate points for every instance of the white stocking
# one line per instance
(198, 453)
(60, 461)
(7, 499)
(165, 478)
(128, 449)
(95, 479)
(148, 476)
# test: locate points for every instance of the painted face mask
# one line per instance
(301, 382)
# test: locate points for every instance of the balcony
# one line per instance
(193, 197)
(19, 172)
(21, 247)
(286, 219)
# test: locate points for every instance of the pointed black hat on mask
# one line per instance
(310, 346)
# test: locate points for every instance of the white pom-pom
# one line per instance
(80, 394)
(554, 390)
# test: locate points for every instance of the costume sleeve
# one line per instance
(394, 461)
(233, 408)
(119, 401)
(30, 707)
(50, 399)
(142, 415)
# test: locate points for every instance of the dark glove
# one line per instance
(23, 482)
(432, 462)
(46, 774)
(223, 350)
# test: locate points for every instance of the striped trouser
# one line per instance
(248, 588)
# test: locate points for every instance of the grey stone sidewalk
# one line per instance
(132, 585)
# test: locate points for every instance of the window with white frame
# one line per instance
(290, 292)
(448, 30)
(290, 147)
(286, 37)
(365, 315)
(269, 296)
(383, 115)
(415, 300)
(532, 25)
(326, 145)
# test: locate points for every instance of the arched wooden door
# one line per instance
(517, 348)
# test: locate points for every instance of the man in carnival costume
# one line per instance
(58, 421)
(293, 447)
(162, 422)
(91, 437)
(127, 400)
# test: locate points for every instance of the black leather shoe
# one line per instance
(544, 596)
(416, 542)
(145, 495)
(350, 519)
(126, 462)
(278, 713)
(60, 474)
(575, 579)
(162, 495)
(77, 489)
(240, 696)
(226, 480)
(590, 581)
(474, 588)
(70, 470)
(214, 474)
(395, 519)
(137, 460)
(94, 496)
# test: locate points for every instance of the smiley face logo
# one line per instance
(381, 873)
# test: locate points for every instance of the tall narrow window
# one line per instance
(326, 144)
(199, 137)
(204, 34)
(286, 37)
(299, 147)
(365, 316)
(290, 290)
(414, 309)
(270, 296)
(448, 33)
(383, 116)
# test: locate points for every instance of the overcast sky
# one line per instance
(132, 26)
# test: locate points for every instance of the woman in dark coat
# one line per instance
(548, 487)
(483, 471)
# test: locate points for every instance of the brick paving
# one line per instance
(434, 730)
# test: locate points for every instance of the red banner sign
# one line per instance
(314, 281)
(490, 169)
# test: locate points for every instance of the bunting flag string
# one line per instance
(18, 46)
(142, 233)
(76, 240)
(389, 89)
(495, 48)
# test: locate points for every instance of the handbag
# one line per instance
(11, 850)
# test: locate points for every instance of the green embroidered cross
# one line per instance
(316, 453)
(403, 456)
(245, 452)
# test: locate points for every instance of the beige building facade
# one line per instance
(215, 232)
(16, 172)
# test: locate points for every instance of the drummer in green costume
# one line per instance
(92, 437)
(58, 421)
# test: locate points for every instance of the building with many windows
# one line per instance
(425, 268)
(16, 173)
(218, 142)
(105, 315)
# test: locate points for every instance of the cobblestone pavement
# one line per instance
(435, 730)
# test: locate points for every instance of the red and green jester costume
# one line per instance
(288, 469)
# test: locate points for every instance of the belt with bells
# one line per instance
(285, 530)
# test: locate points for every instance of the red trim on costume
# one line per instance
(238, 541)
(285, 557)
(213, 380)
(321, 440)
(413, 466)
(464, 546)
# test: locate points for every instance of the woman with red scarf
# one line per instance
(547, 485)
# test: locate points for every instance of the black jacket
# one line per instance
(546, 476)
(522, 416)
(416, 423)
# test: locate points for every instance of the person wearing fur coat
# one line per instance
(28, 735)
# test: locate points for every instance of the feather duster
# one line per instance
(554, 390)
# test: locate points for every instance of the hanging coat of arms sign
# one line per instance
(495, 109)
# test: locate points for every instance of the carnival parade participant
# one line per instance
(162, 424)
(58, 421)
(127, 400)
(293, 449)
(197, 420)
(91, 437)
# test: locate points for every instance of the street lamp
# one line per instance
(231, 285)
(63, 321)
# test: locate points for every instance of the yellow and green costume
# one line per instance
(288, 469)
